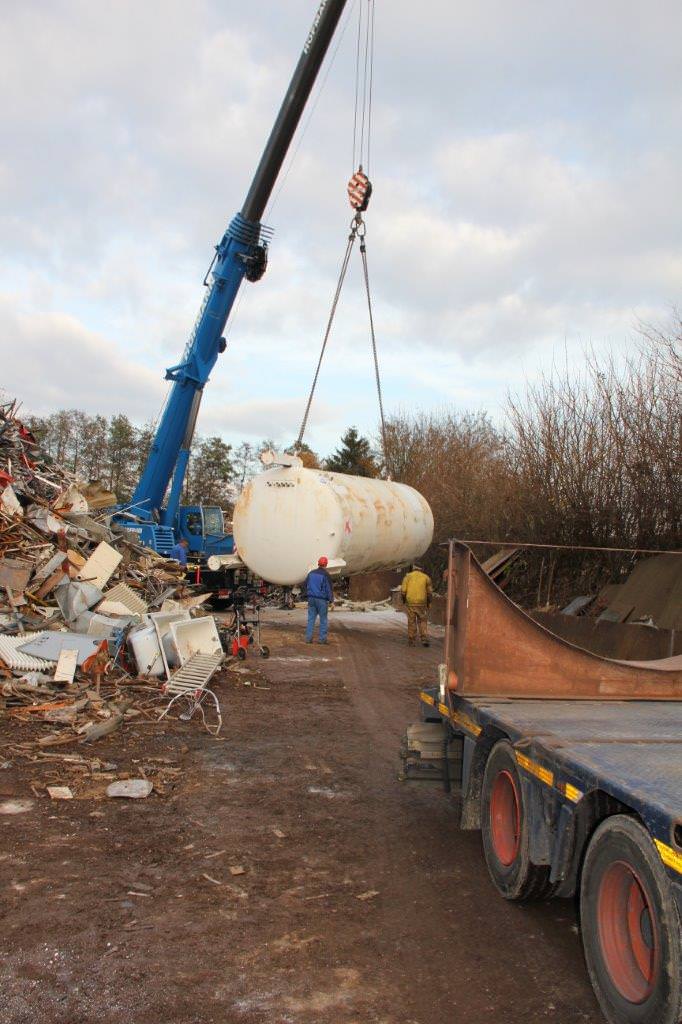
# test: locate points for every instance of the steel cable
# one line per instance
(342, 276)
(363, 252)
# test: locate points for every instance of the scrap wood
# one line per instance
(56, 739)
(50, 583)
(59, 793)
(100, 729)
(50, 706)
(48, 536)
(14, 574)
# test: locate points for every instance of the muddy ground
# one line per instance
(352, 898)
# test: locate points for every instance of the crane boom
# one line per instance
(241, 252)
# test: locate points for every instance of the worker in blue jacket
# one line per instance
(179, 552)
(318, 586)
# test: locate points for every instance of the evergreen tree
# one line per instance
(354, 456)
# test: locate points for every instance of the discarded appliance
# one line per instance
(190, 685)
(194, 636)
(49, 646)
(145, 649)
(151, 644)
(287, 516)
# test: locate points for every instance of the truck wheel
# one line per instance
(504, 830)
(630, 926)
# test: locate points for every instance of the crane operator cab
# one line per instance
(203, 527)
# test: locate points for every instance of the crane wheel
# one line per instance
(630, 926)
(504, 830)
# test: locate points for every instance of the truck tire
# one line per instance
(505, 833)
(630, 926)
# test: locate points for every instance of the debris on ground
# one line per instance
(133, 789)
(93, 626)
(346, 605)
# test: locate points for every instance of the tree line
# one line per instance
(588, 457)
(113, 452)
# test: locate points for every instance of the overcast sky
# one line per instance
(526, 167)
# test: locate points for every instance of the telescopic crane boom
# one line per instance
(241, 252)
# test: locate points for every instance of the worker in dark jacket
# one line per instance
(318, 587)
(179, 551)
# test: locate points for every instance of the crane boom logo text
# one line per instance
(313, 30)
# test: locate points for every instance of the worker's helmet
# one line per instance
(323, 561)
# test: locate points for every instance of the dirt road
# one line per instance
(351, 898)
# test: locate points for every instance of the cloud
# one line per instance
(525, 161)
(51, 361)
(278, 420)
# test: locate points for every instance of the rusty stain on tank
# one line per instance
(289, 516)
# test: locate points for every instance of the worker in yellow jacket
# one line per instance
(417, 592)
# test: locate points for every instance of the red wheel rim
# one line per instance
(505, 818)
(627, 932)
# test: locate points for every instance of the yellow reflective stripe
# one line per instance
(670, 857)
(572, 792)
(535, 769)
(467, 723)
(457, 716)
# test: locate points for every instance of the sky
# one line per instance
(525, 160)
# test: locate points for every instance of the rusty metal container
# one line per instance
(287, 516)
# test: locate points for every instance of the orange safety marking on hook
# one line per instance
(359, 191)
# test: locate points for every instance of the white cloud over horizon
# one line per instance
(526, 168)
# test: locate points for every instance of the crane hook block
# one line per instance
(359, 191)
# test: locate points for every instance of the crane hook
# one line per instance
(359, 190)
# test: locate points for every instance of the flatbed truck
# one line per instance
(576, 798)
(570, 765)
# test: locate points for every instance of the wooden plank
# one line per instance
(66, 665)
(101, 565)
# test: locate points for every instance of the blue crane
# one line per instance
(241, 253)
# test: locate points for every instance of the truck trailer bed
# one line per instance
(630, 750)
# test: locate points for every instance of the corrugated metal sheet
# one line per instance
(121, 600)
(17, 660)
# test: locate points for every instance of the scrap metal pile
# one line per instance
(91, 623)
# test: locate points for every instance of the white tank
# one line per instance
(288, 516)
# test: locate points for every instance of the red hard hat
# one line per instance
(323, 561)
